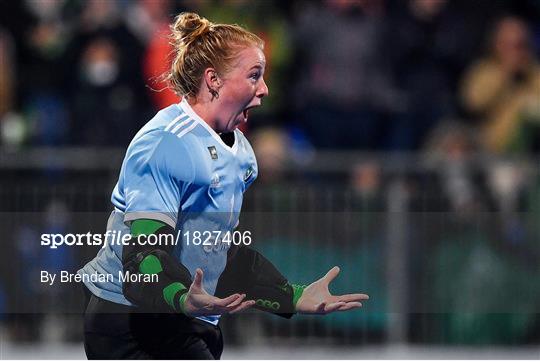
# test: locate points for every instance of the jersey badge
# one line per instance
(213, 152)
(248, 174)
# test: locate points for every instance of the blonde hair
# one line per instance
(199, 44)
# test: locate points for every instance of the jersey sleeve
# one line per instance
(157, 174)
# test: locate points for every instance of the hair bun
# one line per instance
(188, 26)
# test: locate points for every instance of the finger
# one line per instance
(245, 305)
(221, 309)
(334, 306)
(332, 273)
(226, 301)
(198, 280)
(237, 301)
(352, 297)
(349, 306)
(319, 308)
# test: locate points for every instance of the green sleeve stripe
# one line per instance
(150, 265)
(170, 291)
(297, 292)
(182, 302)
(145, 227)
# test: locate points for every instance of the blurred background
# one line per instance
(400, 141)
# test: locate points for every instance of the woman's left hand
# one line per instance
(316, 298)
(198, 302)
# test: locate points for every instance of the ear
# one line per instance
(212, 79)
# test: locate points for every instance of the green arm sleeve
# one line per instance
(247, 271)
(170, 279)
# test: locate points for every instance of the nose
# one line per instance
(263, 89)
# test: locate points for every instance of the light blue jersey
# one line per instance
(179, 171)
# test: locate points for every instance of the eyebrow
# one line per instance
(257, 66)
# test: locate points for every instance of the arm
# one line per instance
(484, 86)
(169, 292)
(247, 271)
(251, 273)
(174, 291)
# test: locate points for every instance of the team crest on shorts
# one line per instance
(213, 152)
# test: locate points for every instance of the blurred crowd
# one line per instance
(343, 74)
(444, 79)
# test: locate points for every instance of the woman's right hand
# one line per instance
(198, 302)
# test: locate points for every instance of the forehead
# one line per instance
(249, 57)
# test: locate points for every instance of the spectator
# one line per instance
(6, 73)
(428, 43)
(40, 47)
(12, 126)
(450, 152)
(107, 99)
(149, 20)
(342, 86)
(503, 89)
(271, 146)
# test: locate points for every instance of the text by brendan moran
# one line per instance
(64, 276)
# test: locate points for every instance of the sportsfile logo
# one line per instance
(210, 240)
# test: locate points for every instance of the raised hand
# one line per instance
(198, 302)
(316, 298)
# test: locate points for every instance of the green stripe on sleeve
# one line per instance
(297, 292)
(170, 291)
(145, 226)
(182, 302)
(150, 265)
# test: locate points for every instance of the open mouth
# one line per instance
(245, 112)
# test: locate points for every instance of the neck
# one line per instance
(206, 110)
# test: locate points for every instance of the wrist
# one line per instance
(298, 290)
(182, 302)
(175, 295)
